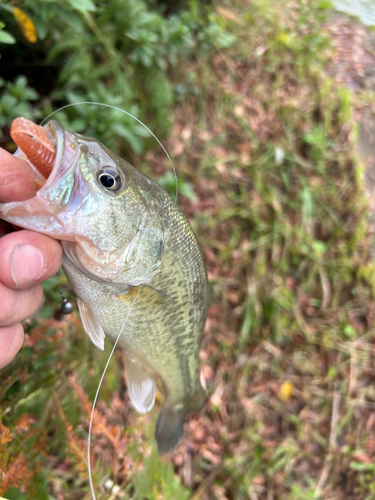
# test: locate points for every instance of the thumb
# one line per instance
(17, 179)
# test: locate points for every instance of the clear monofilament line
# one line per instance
(92, 103)
(96, 397)
(131, 116)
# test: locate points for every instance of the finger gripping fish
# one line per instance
(124, 238)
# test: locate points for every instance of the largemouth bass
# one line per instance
(131, 256)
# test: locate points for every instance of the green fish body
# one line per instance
(135, 265)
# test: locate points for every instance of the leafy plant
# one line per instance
(157, 480)
(15, 100)
(5, 37)
(168, 182)
(119, 53)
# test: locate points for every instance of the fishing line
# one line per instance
(131, 116)
(96, 397)
(127, 316)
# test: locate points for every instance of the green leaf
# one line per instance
(141, 131)
(6, 37)
(42, 28)
(21, 82)
(8, 101)
(70, 18)
(362, 466)
(30, 94)
(325, 5)
(7, 7)
(135, 143)
(15, 494)
(187, 190)
(83, 6)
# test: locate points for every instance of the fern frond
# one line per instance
(76, 68)
(70, 43)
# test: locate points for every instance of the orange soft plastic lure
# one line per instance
(32, 139)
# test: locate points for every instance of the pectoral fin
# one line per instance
(141, 385)
(92, 328)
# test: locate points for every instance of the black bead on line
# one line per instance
(66, 308)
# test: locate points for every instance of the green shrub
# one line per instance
(119, 52)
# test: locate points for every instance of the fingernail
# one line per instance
(27, 264)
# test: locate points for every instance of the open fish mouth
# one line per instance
(43, 148)
(36, 143)
(54, 169)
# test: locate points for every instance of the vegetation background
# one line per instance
(248, 99)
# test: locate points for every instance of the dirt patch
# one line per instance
(353, 63)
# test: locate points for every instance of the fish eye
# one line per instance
(109, 178)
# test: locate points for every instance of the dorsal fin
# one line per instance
(92, 328)
(141, 385)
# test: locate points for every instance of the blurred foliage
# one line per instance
(158, 478)
(119, 52)
(17, 99)
(168, 182)
(5, 37)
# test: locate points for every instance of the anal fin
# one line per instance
(92, 328)
(141, 385)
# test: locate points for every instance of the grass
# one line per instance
(267, 145)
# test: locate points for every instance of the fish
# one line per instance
(132, 259)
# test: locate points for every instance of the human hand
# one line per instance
(26, 260)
